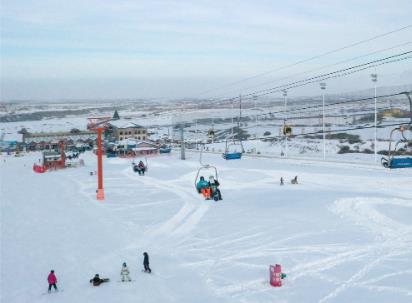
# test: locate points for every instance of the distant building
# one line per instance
(51, 140)
(119, 131)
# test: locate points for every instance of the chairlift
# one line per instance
(233, 150)
(165, 149)
(205, 167)
(211, 133)
(287, 130)
(134, 165)
(395, 161)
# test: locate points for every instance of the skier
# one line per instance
(146, 263)
(281, 181)
(294, 180)
(97, 280)
(214, 187)
(124, 272)
(52, 281)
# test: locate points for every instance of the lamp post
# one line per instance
(285, 97)
(323, 87)
(256, 121)
(374, 78)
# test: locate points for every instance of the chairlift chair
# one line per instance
(231, 150)
(392, 160)
(205, 167)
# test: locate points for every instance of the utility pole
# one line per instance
(285, 96)
(256, 122)
(374, 78)
(182, 143)
(323, 87)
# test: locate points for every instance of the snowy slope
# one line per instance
(343, 235)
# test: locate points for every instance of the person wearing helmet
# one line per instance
(52, 281)
(214, 186)
(97, 280)
(124, 272)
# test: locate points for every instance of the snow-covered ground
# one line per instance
(344, 234)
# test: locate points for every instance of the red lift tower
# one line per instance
(99, 124)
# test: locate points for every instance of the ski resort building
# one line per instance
(119, 131)
(51, 140)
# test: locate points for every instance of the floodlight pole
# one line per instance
(323, 87)
(285, 96)
(256, 121)
(374, 78)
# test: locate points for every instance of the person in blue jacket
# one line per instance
(202, 184)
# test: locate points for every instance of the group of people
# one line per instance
(140, 168)
(293, 181)
(209, 189)
(96, 280)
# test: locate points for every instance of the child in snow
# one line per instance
(294, 180)
(124, 272)
(146, 263)
(214, 186)
(97, 281)
(281, 181)
(52, 281)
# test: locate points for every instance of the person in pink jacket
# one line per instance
(52, 281)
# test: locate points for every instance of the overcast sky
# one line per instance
(148, 49)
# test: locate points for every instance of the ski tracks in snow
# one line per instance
(187, 217)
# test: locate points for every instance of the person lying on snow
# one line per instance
(124, 272)
(97, 280)
(214, 186)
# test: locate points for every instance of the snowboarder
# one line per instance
(52, 281)
(214, 186)
(97, 280)
(124, 272)
(146, 263)
(281, 181)
(294, 180)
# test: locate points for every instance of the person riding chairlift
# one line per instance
(214, 187)
(141, 168)
(203, 188)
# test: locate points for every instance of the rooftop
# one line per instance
(125, 124)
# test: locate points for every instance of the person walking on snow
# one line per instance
(124, 272)
(52, 281)
(146, 263)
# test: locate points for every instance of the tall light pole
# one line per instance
(374, 78)
(323, 87)
(285, 97)
(256, 121)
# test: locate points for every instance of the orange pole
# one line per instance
(100, 191)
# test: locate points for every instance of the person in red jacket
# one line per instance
(52, 281)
